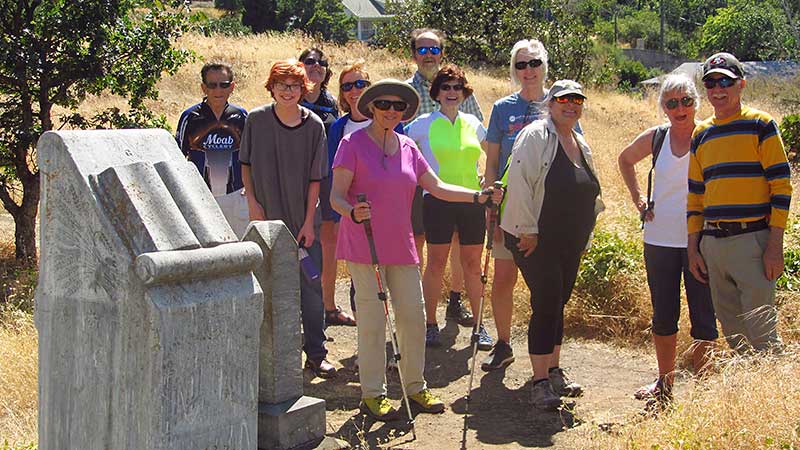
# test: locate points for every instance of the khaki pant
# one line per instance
(743, 297)
(405, 292)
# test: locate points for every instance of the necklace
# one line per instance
(381, 143)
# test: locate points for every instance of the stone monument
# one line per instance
(147, 308)
(286, 418)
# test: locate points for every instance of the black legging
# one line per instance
(550, 273)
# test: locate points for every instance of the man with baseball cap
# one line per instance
(739, 195)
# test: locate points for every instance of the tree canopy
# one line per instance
(55, 53)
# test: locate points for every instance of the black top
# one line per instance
(570, 192)
(325, 107)
(212, 144)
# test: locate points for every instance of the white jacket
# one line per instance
(531, 157)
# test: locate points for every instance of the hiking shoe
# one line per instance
(378, 408)
(456, 311)
(543, 397)
(500, 357)
(484, 340)
(427, 402)
(562, 385)
(337, 317)
(432, 335)
(321, 368)
(656, 390)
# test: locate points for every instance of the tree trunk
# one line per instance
(25, 220)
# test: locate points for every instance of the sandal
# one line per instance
(655, 390)
(339, 317)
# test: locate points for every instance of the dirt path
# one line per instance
(501, 416)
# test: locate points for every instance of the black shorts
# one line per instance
(664, 266)
(443, 218)
(416, 213)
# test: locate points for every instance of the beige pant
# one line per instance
(405, 292)
(743, 297)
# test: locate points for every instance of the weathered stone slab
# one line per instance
(286, 418)
(147, 309)
(291, 423)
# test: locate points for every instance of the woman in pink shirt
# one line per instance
(387, 167)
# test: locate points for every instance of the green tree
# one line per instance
(229, 5)
(750, 29)
(260, 15)
(54, 53)
(330, 22)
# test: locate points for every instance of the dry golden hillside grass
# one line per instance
(747, 405)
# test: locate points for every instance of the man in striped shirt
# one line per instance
(739, 195)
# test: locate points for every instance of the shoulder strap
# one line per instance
(658, 140)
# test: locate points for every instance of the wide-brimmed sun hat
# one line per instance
(565, 87)
(390, 86)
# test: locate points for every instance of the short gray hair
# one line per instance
(534, 46)
(680, 83)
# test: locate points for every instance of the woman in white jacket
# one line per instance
(552, 202)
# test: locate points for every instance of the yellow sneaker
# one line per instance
(427, 402)
(378, 408)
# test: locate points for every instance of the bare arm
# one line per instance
(492, 161)
(254, 208)
(342, 179)
(773, 254)
(452, 193)
(632, 154)
(697, 264)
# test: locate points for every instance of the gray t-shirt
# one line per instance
(283, 162)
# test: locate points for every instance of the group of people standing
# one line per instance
(412, 148)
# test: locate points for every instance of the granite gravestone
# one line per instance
(148, 312)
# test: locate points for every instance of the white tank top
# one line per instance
(670, 188)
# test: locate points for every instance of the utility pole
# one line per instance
(661, 4)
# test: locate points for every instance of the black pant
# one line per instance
(550, 273)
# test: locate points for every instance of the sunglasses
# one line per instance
(283, 87)
(358, 84)
(455, 87)
(384, 105)
(314, 61)
(576, 99)
(425, 50)
(673, 102)
(724, 82)
(221, 84)
(534, 63)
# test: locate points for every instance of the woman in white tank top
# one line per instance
(665, 235)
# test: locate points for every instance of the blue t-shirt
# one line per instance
(510, 115)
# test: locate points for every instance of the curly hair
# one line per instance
(288, 69)
(447, 73)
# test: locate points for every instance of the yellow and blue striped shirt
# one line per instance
(738, 171)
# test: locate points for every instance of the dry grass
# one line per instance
(750, 404)
(18, 372)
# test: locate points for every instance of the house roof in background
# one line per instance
(366, 9)
(752, 70)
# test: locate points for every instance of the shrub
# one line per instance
(790, 131)
(228, 25)
(631, 73)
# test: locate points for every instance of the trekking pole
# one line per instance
(384, 298)
(484, 279)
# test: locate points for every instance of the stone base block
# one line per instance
(291, 423)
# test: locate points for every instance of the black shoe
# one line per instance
(500, 357)
(456, 311)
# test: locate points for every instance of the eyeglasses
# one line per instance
(313, 61)
(455, 87)
(221, 84)
(384, 105)
(424, 50)
(673, 102)
(724, 82)
(358, 84)
(534, 63)
(576, 99)
(288, 87)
